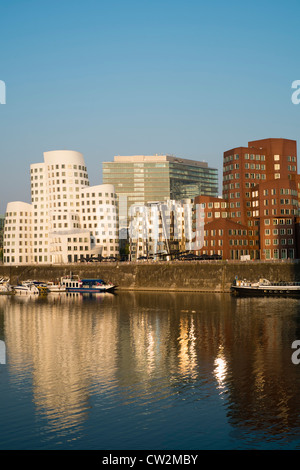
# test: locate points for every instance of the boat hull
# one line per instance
(267, 291)
(6, 292)
(26, 291)
(5, 287)
(58, 290)
(91, 290)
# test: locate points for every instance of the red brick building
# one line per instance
(258, 213)
(216, 233)
(275, 207)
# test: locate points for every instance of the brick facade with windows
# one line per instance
(261, 194)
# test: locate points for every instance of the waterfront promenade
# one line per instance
(176, 276)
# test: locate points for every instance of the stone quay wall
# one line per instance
(192, 276)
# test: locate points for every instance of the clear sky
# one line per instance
(189, 78)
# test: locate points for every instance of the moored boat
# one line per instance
(5, 287)
(264, 287)
(86, 286)
(55, 288)
(42, 287)
(26, 287)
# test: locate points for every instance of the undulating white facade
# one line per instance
(67, 218)
(157, 229)
(17, 238)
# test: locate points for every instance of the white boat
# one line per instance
(265, 288)
(42, 286)
(5, 287)
(56, 288)
(26, 287)
(86, 286)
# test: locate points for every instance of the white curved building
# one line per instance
(65, 215)
(99, 215)
(17, 240)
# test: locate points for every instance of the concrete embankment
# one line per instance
(162, 276)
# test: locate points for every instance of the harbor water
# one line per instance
(137, 370)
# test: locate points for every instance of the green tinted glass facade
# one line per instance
(188, 181)
(149, 181)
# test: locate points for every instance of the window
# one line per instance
(283, 253)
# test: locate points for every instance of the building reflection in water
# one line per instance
(187, 356)
(150, 347)
(220, 370)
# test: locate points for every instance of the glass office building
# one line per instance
(140, 179)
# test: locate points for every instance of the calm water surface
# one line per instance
(149, 371)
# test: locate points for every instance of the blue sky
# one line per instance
(190, 78)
